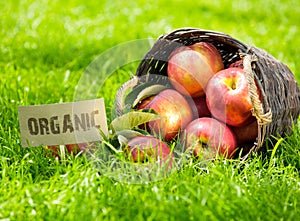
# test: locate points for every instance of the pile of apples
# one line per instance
(207, 109)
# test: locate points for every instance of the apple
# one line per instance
(175, 114)
(190, 67)
(70, 148)
(227, 97)
(199, 107)
(73, 148)
(207, 136)
(148, 149)
(143, 104)
(54, 150)
(76, 148)
(88, 145)
(246, 133)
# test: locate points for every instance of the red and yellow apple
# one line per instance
(246, 133)
(227, 97)
(175, 114)
(190, 67)
(199, 107)
(148, 149)
(207, 137)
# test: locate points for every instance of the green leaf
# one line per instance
(122, 140)
(155, 83)
(129, 134)
(132, 119)
(122, 137)
(147, 92)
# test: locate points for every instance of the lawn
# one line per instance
(46, 47)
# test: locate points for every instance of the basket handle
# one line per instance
(119, 102)
(262, 118)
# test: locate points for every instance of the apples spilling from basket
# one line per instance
(206, 107)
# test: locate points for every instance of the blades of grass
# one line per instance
(274, 151)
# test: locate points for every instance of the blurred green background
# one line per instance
(68, 34)
(54, 41)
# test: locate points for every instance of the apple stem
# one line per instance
(233, 85)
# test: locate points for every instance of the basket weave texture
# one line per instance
(280, 93)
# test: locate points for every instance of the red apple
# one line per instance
(73, 148)
(70, 148)
(239, 64)
(148, 148)
(191, 67)
(76, 148)
(143, 104)
(199, 107)
(209, 136)
(54, 150)
(246, 133)
(227, 97)
(174, 110)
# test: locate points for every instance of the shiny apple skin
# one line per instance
(199, 107)
(247, 133)
(209, 133)
(190, 67)
(175, 114)
(147, 148)
(227, 97)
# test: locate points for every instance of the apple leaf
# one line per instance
(144, 89)
(125, 135)
(147, 92)
(120, 138)
(129, 134)
(132, 119)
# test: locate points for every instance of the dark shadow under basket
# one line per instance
(280, 91)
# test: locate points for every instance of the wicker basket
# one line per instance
(280, 105)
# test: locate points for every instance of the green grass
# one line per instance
(44, 51)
